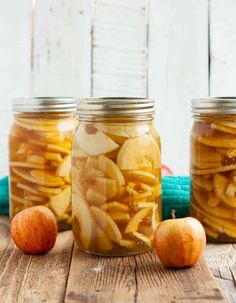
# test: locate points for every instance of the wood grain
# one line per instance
(119, 54)
(27, 278)
(177, 72)
(222, 47)
(61, 54)
(15, 17)
(222, 259)
(4, 235)
(138, 279)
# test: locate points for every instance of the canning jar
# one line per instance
(40, 155)
(116, 176)
(213, 167)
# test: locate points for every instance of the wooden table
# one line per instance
(67, 275)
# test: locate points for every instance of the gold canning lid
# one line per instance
(214, 105)
(44, 104)
(119, 106)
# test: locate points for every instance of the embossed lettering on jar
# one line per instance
(213, 167)
(116, 176)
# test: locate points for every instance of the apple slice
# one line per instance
(123, 130)
(115, 206)
(35, 159)
(111, 170)
(46, 178)
(141, 176)
(119, 216)
(81, 211)
(53, 156)
(95, 197)
(64, 167)
(38, 177)
(107, 187)
(39, 128)
(133, 224)
(142, 238)
(107, 224)
(61, 202)
(27, 165)
(104, 243)
(203, 183)
(139, 153)
(95, 143)
(126, 243)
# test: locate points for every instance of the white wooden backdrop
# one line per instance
(172, 50)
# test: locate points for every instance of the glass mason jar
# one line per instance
(116, 176)
(213, 167)
(40, 155)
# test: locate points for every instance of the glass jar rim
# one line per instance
(44, 105)
(115, 106)
(214, 105)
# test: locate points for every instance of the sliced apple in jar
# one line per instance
(142, 238)
(107, 187)
(141, 152)
(94, 142)
(82, 212)
(104, 243)
(111, 170)
(115, 206)
(95, 197)
(133, 224)
(107, 224)
(141, 176)
(60, 203)
(64, 167)
(123, 130)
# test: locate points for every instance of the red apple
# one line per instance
(34, 230)
(179, 242)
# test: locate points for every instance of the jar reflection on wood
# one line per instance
(116, 176)
(213, 167)
(40, 155)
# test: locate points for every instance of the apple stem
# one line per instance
(172, 213)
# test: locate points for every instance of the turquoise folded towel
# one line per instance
(4, 200)
(175, 194)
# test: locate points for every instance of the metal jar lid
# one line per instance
(115, 106)
(214, 105)
(44, 104)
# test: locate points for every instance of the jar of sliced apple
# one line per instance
(40, 155)
(213, 167)
(116, 176)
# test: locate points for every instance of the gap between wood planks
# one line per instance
(67, 275)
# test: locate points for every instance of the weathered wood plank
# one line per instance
(177, 72)
(15, 17)
(138, 279)
(222, 259)
(222, 47)
(27, 278)
(61, 52)
(4, 235)
(119, 41)
(157, 283)
(97, 279)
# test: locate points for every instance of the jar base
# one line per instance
(114, 254)
(221, 240)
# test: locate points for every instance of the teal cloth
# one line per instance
(175, 194)
(4, 200)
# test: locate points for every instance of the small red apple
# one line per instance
(34, 230)
(179, 242)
